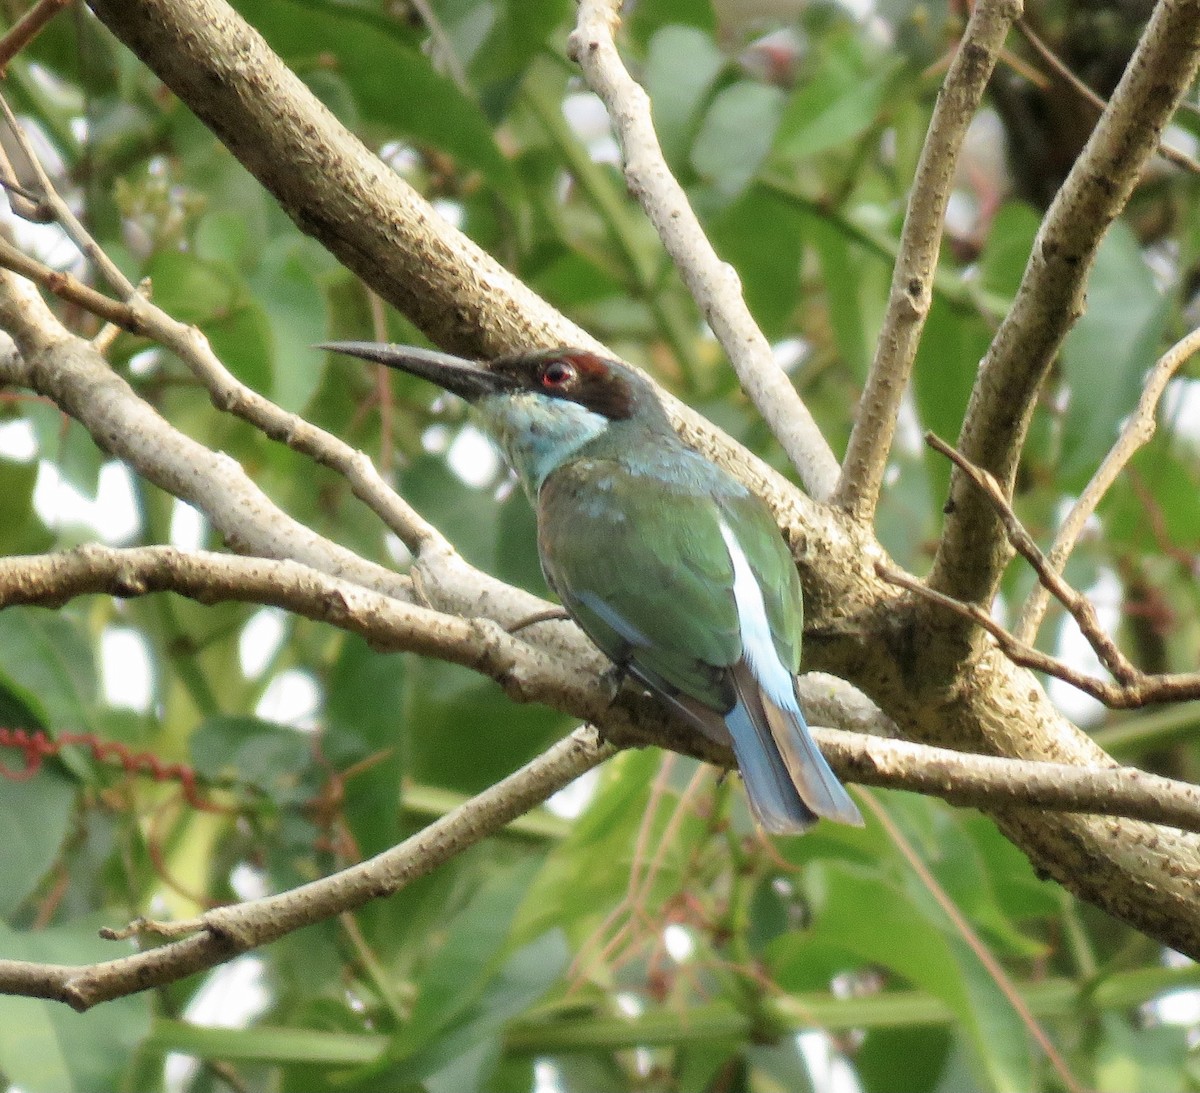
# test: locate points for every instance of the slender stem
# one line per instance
(713, 283)
(972, 551)
(974, 942)
(1055, 63)
(622, 228)
(920, 240)
(1136, 432)
(547, 1032)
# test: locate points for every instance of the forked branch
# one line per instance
(1130, 686)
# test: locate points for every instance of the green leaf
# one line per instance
(497, 41)
(270, 757)
(364, 709)
(46, 662)
(839, 101)
(454, 979)
(736, 136)
(190, 289)
(21, 530)
(473, 1047)
(873, 921)
(1109, 351)
(680, 71)
(1174, 484)
(1145, 1058)
(589, 870)
(35, 816)
(951, 348)
(294, 306)
(761, 235)
(850, 299)
(243, 341)
(46, 1047)
(1009, 244)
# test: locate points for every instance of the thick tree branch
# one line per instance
(920, 241)
(713, 284)
(972, 551)
(525, 671)
(49, 580)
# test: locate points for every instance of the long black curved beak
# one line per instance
(461, 377)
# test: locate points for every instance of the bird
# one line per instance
(670, 565)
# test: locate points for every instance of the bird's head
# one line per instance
(541, 406)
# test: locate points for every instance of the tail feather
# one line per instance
(788, 782)
(810, 774)
(774, 801)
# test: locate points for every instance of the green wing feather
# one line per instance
(638, 559)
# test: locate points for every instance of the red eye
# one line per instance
(557, 374)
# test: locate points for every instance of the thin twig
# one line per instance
(1136, 432)
(920, 239)
(1142, 690)
(974, 942)
(69, 222)
(1051, 59)
(713, 283)
(69, 288)
(28, 27)
(1079, 606)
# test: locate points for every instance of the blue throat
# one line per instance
(537, 433)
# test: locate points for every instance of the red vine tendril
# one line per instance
(36, 747)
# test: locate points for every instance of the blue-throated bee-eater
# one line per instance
(668, 563)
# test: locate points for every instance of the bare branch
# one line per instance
(70, 371)
(713, 284)
(526, 672)
(1054, 62)
(1140, 690)
(227, 931)
(69, 222)
(920, 240)
(1078, 605)
(68, 288)
(28, 27)
(972, 552)
(1136, 432)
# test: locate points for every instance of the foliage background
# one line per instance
(543, 958)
